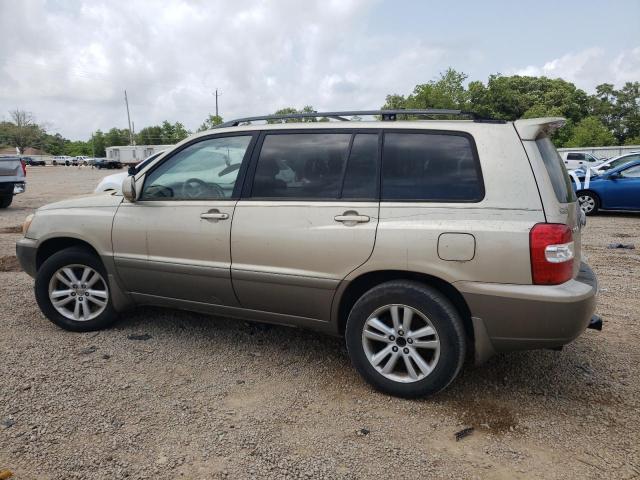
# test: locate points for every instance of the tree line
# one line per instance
(610, 116)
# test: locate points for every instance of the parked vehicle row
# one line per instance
(13, 175)
(405, 237)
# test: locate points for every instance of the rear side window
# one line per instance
(575, 156)
(430, 167)
(301, 166)
(555, 168)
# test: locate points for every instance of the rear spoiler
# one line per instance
(532, 128)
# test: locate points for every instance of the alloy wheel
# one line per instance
(401, 343)
(78, 292)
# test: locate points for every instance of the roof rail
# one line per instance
(386, 115)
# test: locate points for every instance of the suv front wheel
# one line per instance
(73, 292)
(406, 339)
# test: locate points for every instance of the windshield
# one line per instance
(622, 160)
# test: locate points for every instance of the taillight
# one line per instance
(552, 253)
(24, 167)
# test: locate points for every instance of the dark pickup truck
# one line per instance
(12, 179)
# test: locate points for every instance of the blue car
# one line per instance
(616, 189)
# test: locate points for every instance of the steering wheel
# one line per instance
(195, 188)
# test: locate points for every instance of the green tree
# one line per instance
(210, 122)
(293, 110)
(97, 144)
(172, 133)
(23, 130)
(77, 148)
(149, 135)
(116, 137)
(590, 132)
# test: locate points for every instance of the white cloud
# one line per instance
(589, 67)
(69, 63)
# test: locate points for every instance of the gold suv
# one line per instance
(421, 241)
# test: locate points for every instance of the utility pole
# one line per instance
(93, 145)
(217, 95)
(126, 101)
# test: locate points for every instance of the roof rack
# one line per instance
(386, 115)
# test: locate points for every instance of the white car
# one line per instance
(615, 162)
(573, 160)
(113, 183)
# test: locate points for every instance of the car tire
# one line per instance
(6, 201)
(417, 370)
(588, 202)
(85, 309)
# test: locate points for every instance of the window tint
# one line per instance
(631, 172)
(555, 168)
(301, 166)
(361, 177)
(206, 170)
(575, 156)
(430, 167)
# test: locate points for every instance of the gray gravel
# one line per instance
(169, 394)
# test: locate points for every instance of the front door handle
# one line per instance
(215, 215)
(351, 217)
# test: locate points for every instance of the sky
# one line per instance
(69, 62)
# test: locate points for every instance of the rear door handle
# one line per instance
(351, 217)
(214, 214)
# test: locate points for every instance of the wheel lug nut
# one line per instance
(409, 340)
(84, 286)
(74, 286)
(73, 294)
(401, 332)
(406, 351)
(395, 349)
(80, 298)
(392, 338)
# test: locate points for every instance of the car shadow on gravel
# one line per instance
(488, 396)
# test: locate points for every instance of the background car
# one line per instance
(32, 162)
(108, 164)
(62, 160)
(12, 179)
(617, 189)
(609, 164)
(573, 160)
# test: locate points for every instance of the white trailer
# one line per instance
(132, 154)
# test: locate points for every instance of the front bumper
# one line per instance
(522, 317)
(26, 249)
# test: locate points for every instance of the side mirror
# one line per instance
(129, 189)
(615, 176)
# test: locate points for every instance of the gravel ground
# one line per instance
(169, 394)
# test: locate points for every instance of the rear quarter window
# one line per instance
(557, 172)
(430, 167)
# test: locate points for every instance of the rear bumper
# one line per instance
(522, 317)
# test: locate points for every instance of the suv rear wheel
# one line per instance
(406, 339)
(73, 292)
